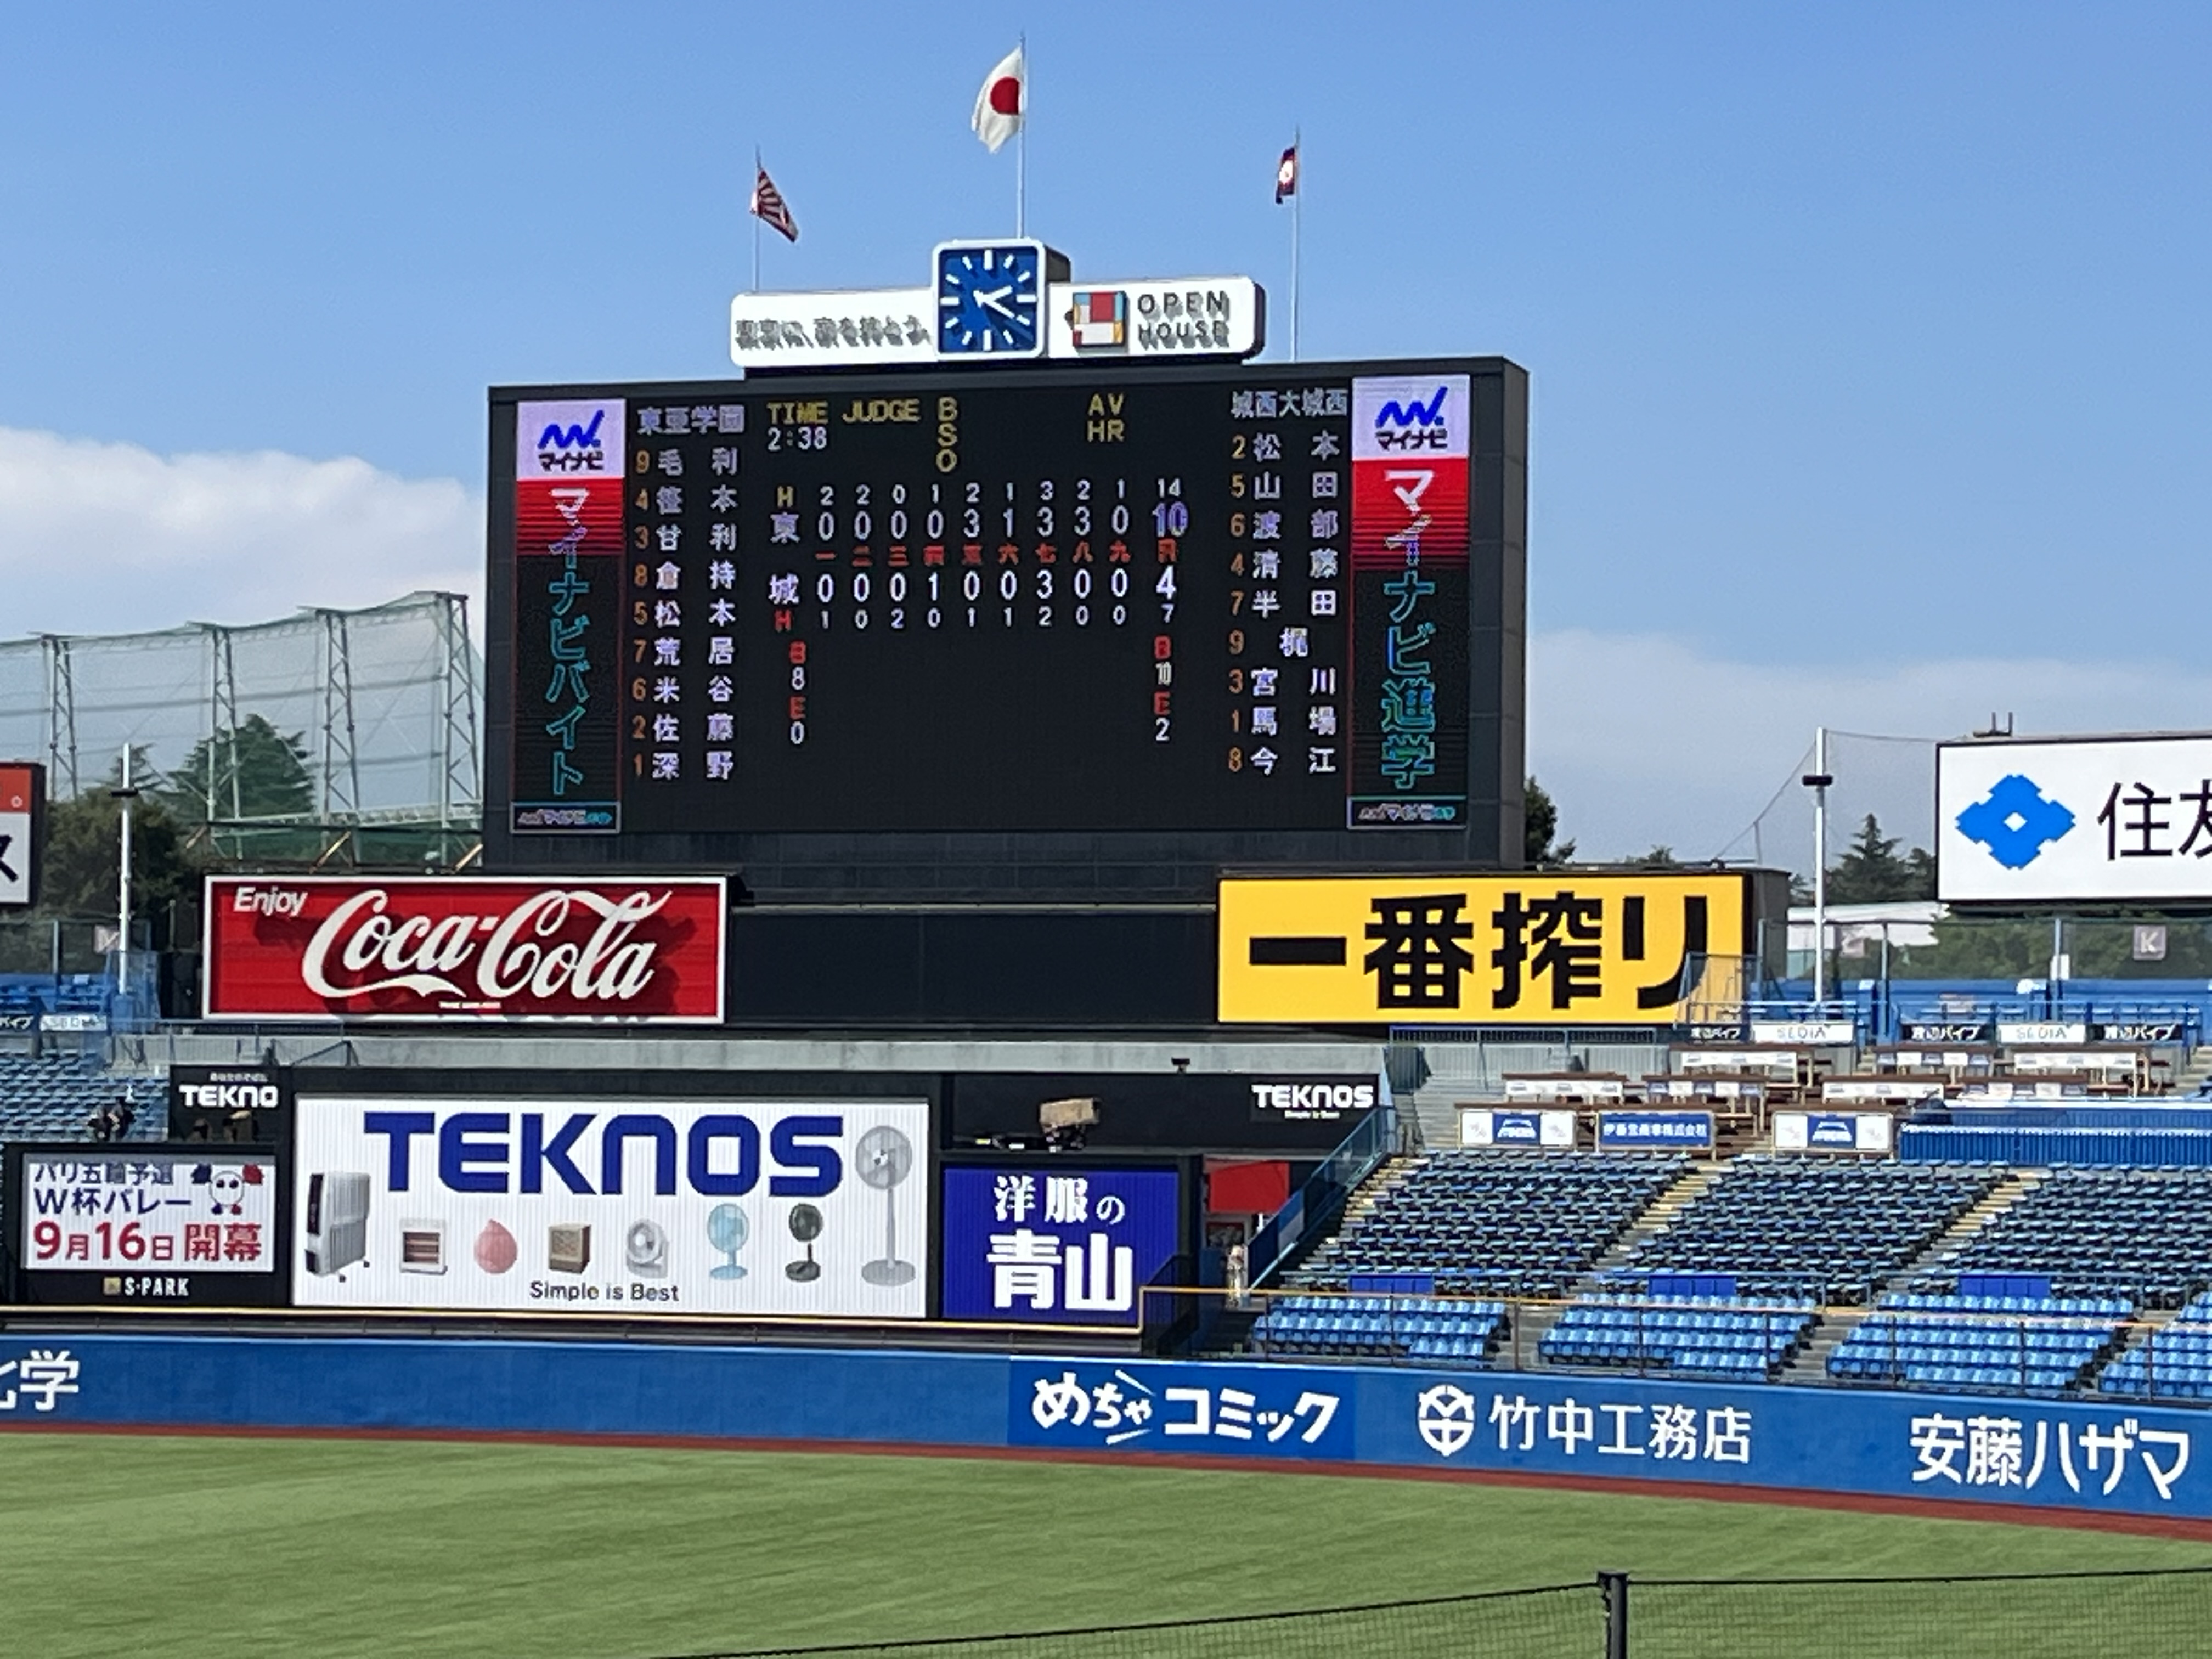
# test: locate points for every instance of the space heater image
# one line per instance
(337, 1233)
(422, 1246)
(569, 1247)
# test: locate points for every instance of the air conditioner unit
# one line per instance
(337, 1220)
(568, 1246)
(422, 1246)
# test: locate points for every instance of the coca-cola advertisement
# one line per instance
(464, 948)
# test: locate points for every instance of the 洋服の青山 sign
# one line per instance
(450, 948)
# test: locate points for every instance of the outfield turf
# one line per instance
(189, 1546)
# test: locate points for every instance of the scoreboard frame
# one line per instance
(850, 859)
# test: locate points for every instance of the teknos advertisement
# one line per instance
(762, 1207)
(450, 948)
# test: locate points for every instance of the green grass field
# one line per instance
(123, 1545)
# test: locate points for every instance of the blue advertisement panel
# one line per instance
(1682, 1131)
(2075, 1456)
(1302, 1411)
(1050, 1247)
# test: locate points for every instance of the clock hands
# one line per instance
(995, 300)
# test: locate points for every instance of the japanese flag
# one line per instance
(1003, 101)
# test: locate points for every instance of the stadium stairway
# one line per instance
(1531, 1325)
(1833, 1329)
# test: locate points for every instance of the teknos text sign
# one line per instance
(760, 1207)
(446, 948)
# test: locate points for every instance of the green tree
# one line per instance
(1871, 873)
(251, 771)
(1540, 820)
(1661, 857)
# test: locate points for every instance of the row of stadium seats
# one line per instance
(1520, 1223)
(1909, 1340)
(1693, 1335)
(2142, 1236)
(49, 1097)
(2174, 1362)
(1815, 1228)
(1395, 1327)
(71, 994)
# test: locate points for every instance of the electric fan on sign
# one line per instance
(805, 1226)
(884, 1158)
(727, 1231)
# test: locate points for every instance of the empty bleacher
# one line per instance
(1498, 1223)
(1439, 1330)
(49, 1097)
(1815, 1229)
(2142, 1236)
(2042, 1344)
(1721, 1337)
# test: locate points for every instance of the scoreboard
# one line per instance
(1189, 599)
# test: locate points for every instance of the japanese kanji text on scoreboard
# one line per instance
(1539, 947)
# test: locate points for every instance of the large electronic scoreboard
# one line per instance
(832, 627)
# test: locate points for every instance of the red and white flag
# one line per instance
(1286, 175)
(769, 207)
(1002, 103)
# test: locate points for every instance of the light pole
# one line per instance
(1818, 780)
(122, 797)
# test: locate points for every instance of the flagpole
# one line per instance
(1022, 139)
(1297, 212)
(757, 174)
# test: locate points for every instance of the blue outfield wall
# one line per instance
(2061, 1456)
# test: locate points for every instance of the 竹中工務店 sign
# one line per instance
(1538, 947)
(2105, 820)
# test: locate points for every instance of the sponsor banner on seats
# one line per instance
(2116, 1458)
(1486, 1126)
(1834, 1132)
(1655, 1131)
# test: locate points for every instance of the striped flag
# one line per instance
(770, 207)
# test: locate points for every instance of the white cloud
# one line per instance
(1642, 740)
(103, 537)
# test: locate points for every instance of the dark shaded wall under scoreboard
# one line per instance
(853, 863)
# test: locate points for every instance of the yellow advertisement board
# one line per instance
(1539, 947)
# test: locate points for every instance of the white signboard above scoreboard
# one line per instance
(2075, 821)
(991, 302)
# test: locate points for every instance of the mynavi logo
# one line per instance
(2015, 820)
(573, 447)
(1413, 424)
(572, 439)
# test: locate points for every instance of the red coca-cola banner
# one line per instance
(485, 947)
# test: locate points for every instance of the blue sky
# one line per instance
(1870, 344)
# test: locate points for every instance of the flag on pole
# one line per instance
(769, 207)
(1002, 103)
(1286, 175)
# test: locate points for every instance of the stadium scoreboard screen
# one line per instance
(1183, 599)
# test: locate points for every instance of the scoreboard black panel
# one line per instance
(1012, 618)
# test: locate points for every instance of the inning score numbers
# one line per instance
(1197, 598)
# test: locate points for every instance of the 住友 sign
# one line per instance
(770, 1208)
(2075, 821)
(1539, 947)
(1070, 1244)
(453, 948)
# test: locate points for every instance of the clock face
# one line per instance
(990, 297)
